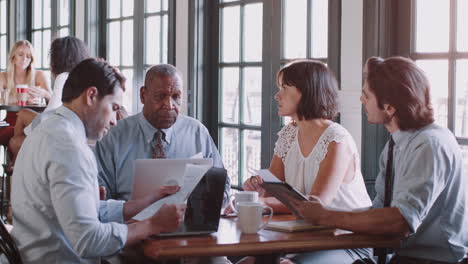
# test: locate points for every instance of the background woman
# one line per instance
(314, 154)
(20, 70)
(65, 54)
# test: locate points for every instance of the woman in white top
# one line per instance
(313, 154)
(65, 54)
(20, 70)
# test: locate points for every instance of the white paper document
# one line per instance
(192, 176)
(267, 176)
(150, 174)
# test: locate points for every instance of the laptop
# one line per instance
(152, 173)
(203, 206)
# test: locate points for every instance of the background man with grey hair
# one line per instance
(159, 131)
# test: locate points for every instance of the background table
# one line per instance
(16, 108)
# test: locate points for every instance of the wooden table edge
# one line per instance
(251, 249)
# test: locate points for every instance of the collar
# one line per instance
(401, 138)
(149, 130)
(75, 120)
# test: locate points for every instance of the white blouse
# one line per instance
(54, 102)
(301, 172)
(56, 98)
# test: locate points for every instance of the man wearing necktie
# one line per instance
(159, 131)
(422, 193)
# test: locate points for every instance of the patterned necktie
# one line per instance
(158, 149)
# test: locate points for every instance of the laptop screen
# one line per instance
(205, 202)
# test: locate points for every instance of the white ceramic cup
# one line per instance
(243, 197)
(250, 217)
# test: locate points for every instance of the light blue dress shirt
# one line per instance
(430, 191)
(132, 139)
(57, 215)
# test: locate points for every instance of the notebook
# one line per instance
(293, 226)
(285, 193)
(203, 206)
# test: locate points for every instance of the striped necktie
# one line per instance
(389, 174)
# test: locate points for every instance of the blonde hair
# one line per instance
(30, 71)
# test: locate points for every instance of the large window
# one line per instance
(50, 19)
(247, 121)
(440, 48)
(3, 34)
(127, 23)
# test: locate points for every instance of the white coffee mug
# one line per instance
(250, 217)
(243, 197)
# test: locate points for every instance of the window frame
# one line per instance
(139, 67)
(451, 56)
(54, 27)
(7, 35)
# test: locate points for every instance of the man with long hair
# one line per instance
(422, 194)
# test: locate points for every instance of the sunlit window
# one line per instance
(122, 16)
(45, 28)
(240, 73)
(441, 50)
(303, 33)
(3, 34)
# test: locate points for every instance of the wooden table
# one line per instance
(267, 244)
(16, 108)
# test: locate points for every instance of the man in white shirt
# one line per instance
(57, 214)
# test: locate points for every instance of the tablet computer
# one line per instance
(284, 193)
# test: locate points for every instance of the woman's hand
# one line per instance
(253, 184)
(38, 92)
(228, 210)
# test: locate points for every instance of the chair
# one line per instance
(6, 133)
(8, 246)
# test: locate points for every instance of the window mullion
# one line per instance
(241, 94)
(54, 18)
(309, 29)
(272, 30)
(161, 27)
(42, 45)
(138, 50)
(452, 95)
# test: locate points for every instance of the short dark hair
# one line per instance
(66, 53)
(399, 82)
(163, 70)
(92, 72)
(318, 87)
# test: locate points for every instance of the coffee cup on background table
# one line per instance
(22, 94)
